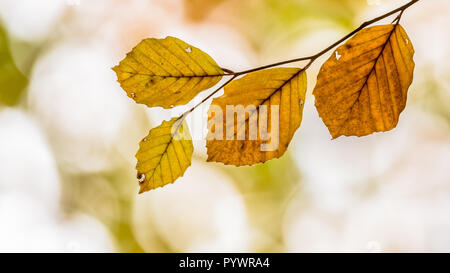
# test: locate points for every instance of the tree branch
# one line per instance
(314, 57)
(311, 58)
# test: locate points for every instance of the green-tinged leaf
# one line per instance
(164, 155)
(166, 72)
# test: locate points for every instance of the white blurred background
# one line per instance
(68, 135)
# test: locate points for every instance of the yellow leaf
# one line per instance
(166, 72)
(270, 104)
(164, 155)
(362, 88)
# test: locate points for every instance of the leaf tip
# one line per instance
(115, 68)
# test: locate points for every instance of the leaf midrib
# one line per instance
(367, 79)
(268, 97)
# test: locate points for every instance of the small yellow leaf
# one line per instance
(362, 88)
(166, 72)
(164, 155)
(270, 104)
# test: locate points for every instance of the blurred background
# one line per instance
(68, 135)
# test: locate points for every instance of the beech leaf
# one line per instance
(164, 155)
(362, 88)
(273, 101)
(166, 72)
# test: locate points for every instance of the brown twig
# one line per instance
(311, 58)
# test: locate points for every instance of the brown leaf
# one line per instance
(362, 88)
(271, 103)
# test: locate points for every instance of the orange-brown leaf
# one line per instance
(281, 90)
(362, 88)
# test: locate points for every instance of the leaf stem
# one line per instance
(311, 58)
(228, 71)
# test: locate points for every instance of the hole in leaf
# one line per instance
(141, 178)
